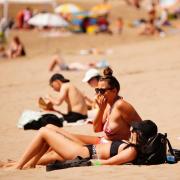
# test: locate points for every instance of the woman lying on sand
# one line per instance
(112, 153)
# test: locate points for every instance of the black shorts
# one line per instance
(74, 116)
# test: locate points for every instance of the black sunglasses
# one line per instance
(102, 90)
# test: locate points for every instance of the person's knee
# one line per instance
(43, 130)
(50, 126)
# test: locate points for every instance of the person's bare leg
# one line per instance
(55, 61)
(49, 157)
(81, 139)
(32, 150)
(34, 161)
(61, 145)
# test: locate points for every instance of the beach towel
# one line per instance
(43, 121)
(35, 120)
(28, 116)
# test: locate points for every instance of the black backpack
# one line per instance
(154, 151)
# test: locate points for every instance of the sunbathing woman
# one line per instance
(15, 49)
(111, 153)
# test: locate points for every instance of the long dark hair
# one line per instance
(110, 79)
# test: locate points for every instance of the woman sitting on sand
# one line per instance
(112, 153)
(16, 49)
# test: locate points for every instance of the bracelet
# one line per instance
(96, 163)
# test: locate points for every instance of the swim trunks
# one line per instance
(74, 116)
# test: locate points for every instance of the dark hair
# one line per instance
(17, 40)
(110, 79)
(59, 77)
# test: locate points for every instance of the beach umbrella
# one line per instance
(167, 3)
(67, 8)
(101, 9)
(47, 19)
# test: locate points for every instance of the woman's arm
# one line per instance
(124, 156)
(98, 121)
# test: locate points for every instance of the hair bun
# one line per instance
(107, 71)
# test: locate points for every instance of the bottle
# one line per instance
(170, 159)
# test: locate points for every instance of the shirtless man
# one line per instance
(76, 105)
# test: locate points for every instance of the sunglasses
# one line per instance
(102, 90)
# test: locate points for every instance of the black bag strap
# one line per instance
(169, 146)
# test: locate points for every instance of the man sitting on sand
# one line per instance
(77, 108)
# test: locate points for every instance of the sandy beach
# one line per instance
(149, 73)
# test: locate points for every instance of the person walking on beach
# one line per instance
(76, 106)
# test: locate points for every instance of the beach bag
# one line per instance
(176, 154)
(154, 151)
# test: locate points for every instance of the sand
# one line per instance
(147, 68)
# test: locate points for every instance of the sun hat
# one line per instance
(147, 127)
(91, 73)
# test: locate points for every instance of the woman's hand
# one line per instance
(101, 101)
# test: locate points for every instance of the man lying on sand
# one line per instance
(58, 62)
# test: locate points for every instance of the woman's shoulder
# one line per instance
(120, 102)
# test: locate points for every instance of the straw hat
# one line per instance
(44, 105)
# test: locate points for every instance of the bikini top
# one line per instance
(106, 128)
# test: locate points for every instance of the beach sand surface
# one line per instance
(149, 73)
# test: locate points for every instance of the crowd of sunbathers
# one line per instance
(121, 125)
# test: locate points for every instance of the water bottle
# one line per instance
(170, 159)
